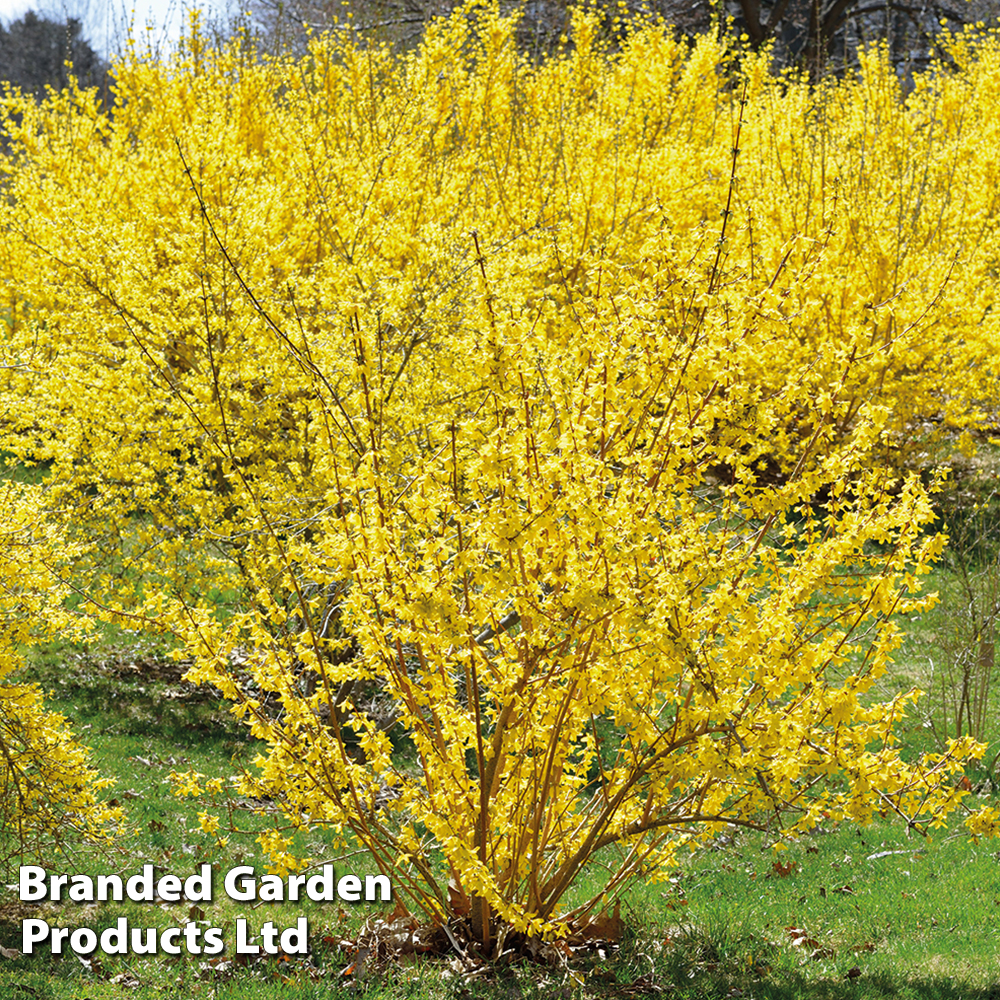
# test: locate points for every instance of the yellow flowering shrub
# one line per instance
(48, 789)
(552, 424)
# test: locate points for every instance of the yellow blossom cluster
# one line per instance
(49, 792)
(564, 410)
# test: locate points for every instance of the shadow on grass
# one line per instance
(129, 691)
(792, 986)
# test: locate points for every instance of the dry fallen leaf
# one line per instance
(800, 938)
(125, 979)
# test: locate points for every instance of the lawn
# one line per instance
(572, 420)
(844, 912)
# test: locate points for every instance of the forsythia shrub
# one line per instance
(551, 422)
(48, 790)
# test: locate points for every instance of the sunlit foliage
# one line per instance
(48, 789)
(555, 425)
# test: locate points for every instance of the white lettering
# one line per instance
(243, 946)
(268, 936)
(198, 888)
(139, 888)
(349, 888)
(114, 940)
(214, 944)
(33, 931)
(81, 889)
(272, 889)
(295, 940)
(30, 884)
(147, 947)
(115, 884)
(169, 888)
(191, 934)
(83, 940)
(385, 887)
(320, 888)
(294, 881)
(243, 892)
(168, 941)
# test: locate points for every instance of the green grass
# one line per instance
(843, 913)
(143, 723)
(738, 919)
(897, 907)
